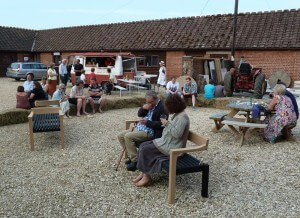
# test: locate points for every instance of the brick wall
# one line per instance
(272, 61)
(174, 63)
(46, 58)
(65, 55)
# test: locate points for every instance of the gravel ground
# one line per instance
(256, 180)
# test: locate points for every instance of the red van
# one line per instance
(121, 65)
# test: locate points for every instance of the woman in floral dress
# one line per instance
(284, 114)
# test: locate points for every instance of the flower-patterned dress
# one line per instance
(285, 115)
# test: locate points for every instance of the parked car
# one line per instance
(18, 70)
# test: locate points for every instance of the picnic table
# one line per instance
(132, 83)
(145, 77)
(232, 122)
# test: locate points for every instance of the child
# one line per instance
(112, 81)
(209, 90)
(82, 76)
(22, 98)
(45, 87)
(92, 74)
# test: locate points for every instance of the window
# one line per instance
(141, 61)
(155, 60)
(26, 66)
(15, 66)
(148, 61)
(42, 66)
(56, 59)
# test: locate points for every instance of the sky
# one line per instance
(46, 14)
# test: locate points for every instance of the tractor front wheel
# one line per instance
(228, 84)
(259, 86)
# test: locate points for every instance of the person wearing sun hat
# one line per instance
(161, 81)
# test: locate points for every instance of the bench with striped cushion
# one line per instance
(189, 164)
(46, 122)
(45, 119)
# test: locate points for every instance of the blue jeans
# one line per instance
(168, 94)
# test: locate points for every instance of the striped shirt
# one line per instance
(141, 127)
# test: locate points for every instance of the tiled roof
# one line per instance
(261, 30)
(16, 39)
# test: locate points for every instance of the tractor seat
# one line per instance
(245, 69)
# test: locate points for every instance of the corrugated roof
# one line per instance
(16, 39)
(261, 30)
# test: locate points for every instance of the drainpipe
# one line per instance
(234, 30)
(33, 44)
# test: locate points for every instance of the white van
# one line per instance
(121, 65)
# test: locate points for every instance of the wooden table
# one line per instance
(242, 123)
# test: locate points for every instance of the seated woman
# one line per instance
(22, 98)
(77, 97)
(153, 153)
(60, 95)
(45, 87)
(36, 94)
(284, 114)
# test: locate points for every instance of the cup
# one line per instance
(164, 117)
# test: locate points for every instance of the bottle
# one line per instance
(251, 101)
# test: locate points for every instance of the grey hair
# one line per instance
(151, 93)
(61, 86)
(279, 89)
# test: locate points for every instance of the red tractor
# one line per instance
(246, 79)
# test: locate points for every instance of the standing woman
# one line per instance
(52, 79)
(161, 81)
(152, 153)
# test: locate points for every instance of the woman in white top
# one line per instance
(161, 81)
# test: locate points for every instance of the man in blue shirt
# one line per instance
(149, 127)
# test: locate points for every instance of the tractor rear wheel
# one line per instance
(259, 86)
(228, 84)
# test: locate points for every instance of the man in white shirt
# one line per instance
(63, 73)
(173, 87)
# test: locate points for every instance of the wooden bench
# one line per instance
(120, 88)
(182, 163)
(243, 127)
(45, 119)
(217, 118)
(46, 103)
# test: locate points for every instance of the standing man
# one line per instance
(63, 72)
(78, 68)
(149, 127)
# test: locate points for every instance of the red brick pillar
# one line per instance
(174, 63)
